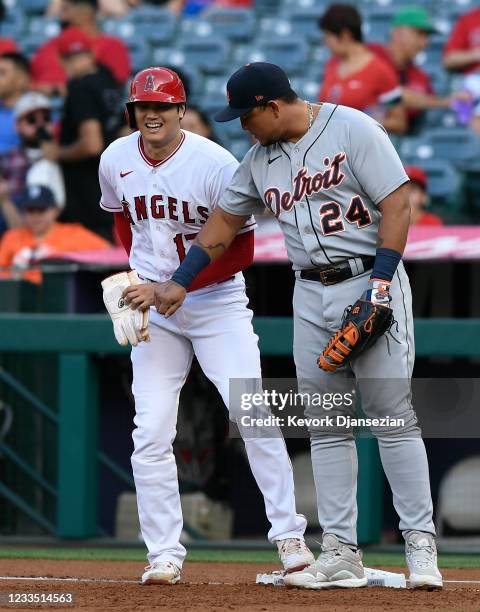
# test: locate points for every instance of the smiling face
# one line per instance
(158, 122)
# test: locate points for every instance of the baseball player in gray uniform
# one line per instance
(332, 178)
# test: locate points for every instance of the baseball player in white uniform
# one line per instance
(162, 183)
(332, 178)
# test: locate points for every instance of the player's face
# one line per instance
(262, 125)
(157, 122)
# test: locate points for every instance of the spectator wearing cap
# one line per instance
(355, 76)
(48, 72)
(41, 235)
(89, 123)
(409, 36)
(462, 50)
(418, 197)
(25, 165)
(14, 80)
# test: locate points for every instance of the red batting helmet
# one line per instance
(154, 84)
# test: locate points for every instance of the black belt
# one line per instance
(336, 273)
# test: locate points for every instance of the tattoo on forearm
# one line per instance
(211, 247)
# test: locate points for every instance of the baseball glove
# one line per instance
(362, 325)
(128, 325)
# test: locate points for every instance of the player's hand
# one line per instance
(140, 296)
(129, 325)
(169, 297)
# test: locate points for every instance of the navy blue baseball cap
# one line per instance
(253, 85)
(35, 196)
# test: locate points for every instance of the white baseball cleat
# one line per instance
(336, 566)
(294, 554)
(162, 572)
(421, 554)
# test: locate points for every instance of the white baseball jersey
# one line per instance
(167, 201)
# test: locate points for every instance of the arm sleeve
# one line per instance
(458, 39)
(242, 197)
(373, 159)
(108, 200)
(124, 231)
(390, 91)
(236, 258)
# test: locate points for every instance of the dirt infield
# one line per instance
(216, 587)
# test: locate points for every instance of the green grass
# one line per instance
(218, 556)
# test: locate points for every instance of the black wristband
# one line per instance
(386, 262)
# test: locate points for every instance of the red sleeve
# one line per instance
(458, 39)
(113, 53)
(238, 257)
(123, 231)
(387, 86)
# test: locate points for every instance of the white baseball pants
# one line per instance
(214, 324)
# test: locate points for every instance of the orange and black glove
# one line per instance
(362, 324)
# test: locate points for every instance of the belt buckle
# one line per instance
(324, 276)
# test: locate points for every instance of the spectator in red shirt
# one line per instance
(462, 51)
(47, 71)
(355, 76)
(418, 198)
(409, 36)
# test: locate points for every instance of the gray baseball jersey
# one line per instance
(323, 189)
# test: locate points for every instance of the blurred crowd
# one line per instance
(61, 104)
